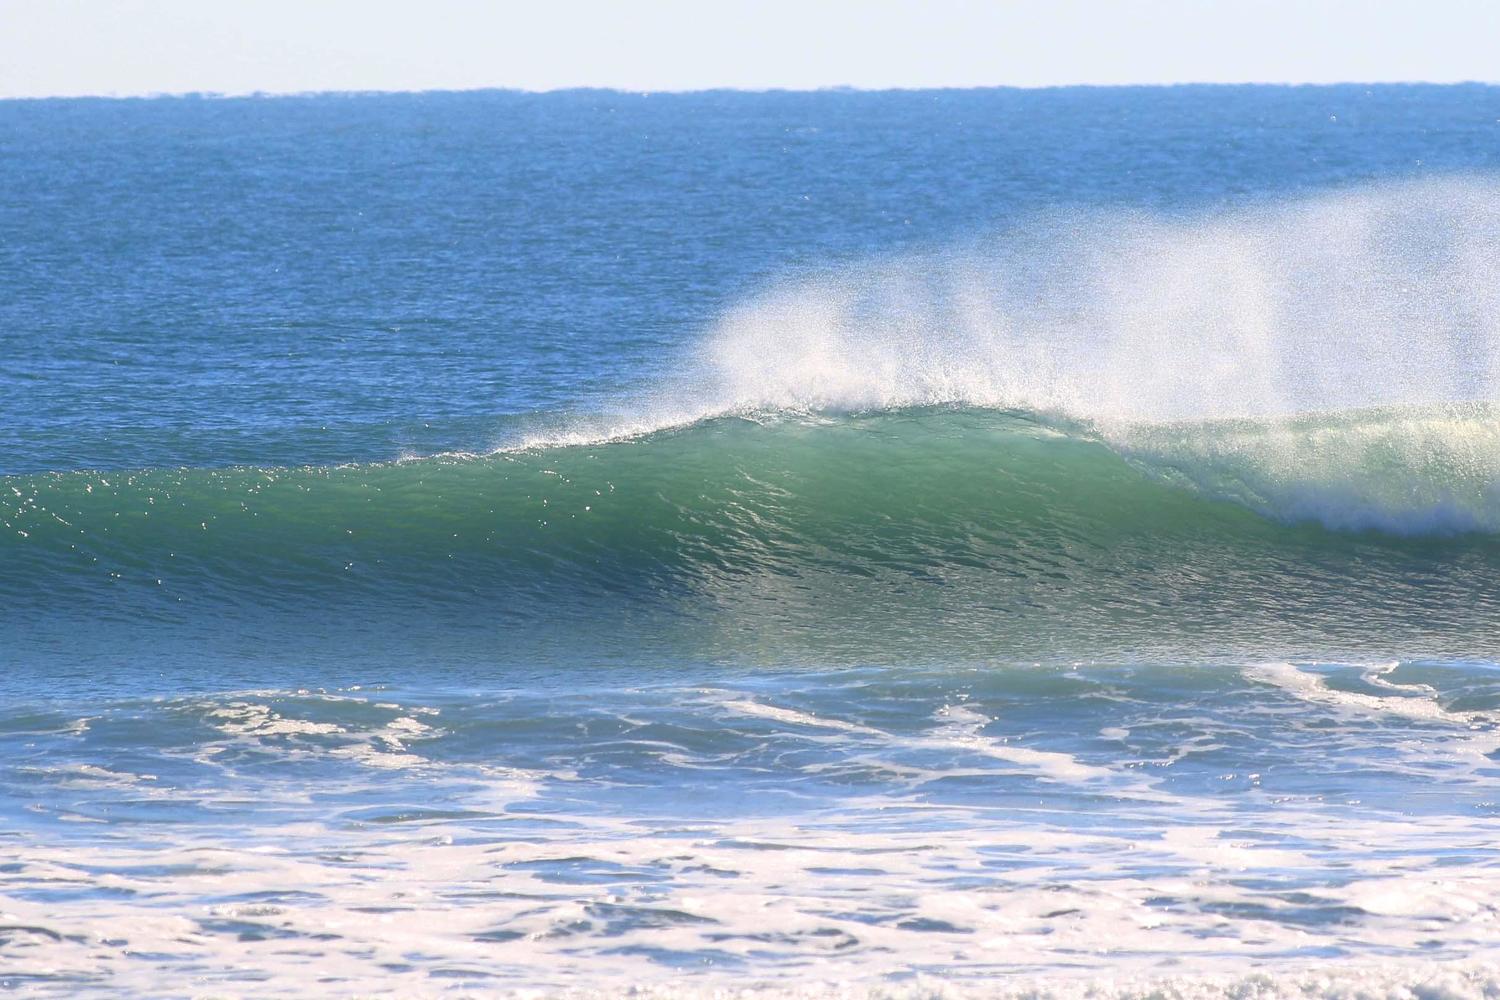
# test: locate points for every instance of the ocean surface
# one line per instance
(908, 544)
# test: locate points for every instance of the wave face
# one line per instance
(429, 562)
(1100, 432)
(923, 532)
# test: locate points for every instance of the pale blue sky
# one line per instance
(69, 47)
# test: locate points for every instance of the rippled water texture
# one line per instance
(993, 543)
(867, 825)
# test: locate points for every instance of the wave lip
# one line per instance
(1333, 359)
(1102, 429)
(1375, 296)
(1418, 471)
(934, 532)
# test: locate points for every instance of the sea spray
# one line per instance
(962, 543)
(1382, 295)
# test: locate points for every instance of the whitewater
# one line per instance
(1085, 589)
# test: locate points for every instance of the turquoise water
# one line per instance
(932, 543)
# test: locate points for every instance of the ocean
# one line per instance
(989, 543)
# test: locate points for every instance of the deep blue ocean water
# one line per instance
(934, 542)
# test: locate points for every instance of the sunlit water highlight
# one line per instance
(968, 544)
(870, 827)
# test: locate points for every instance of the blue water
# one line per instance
(968, 541)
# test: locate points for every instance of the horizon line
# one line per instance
(684, 91)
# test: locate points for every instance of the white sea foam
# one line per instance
(771, 839)
(1380, 295)
(865, 914)
(1153, 332)
(1418, 702)
(1376, 296)
(959, 729)
(1412, 471)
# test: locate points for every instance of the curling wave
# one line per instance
(1101, 431)
(871, 531)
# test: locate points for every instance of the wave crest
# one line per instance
(928, 532)
(1388, 295)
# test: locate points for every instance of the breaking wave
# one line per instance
(1101, 415)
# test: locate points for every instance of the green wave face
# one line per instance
(896, 535)
(1409, 471)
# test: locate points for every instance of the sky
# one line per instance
(129, 47)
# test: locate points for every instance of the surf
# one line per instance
(1097, 431)
(928, 532)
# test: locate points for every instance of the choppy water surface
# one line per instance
(866, 825)
(993, 543)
